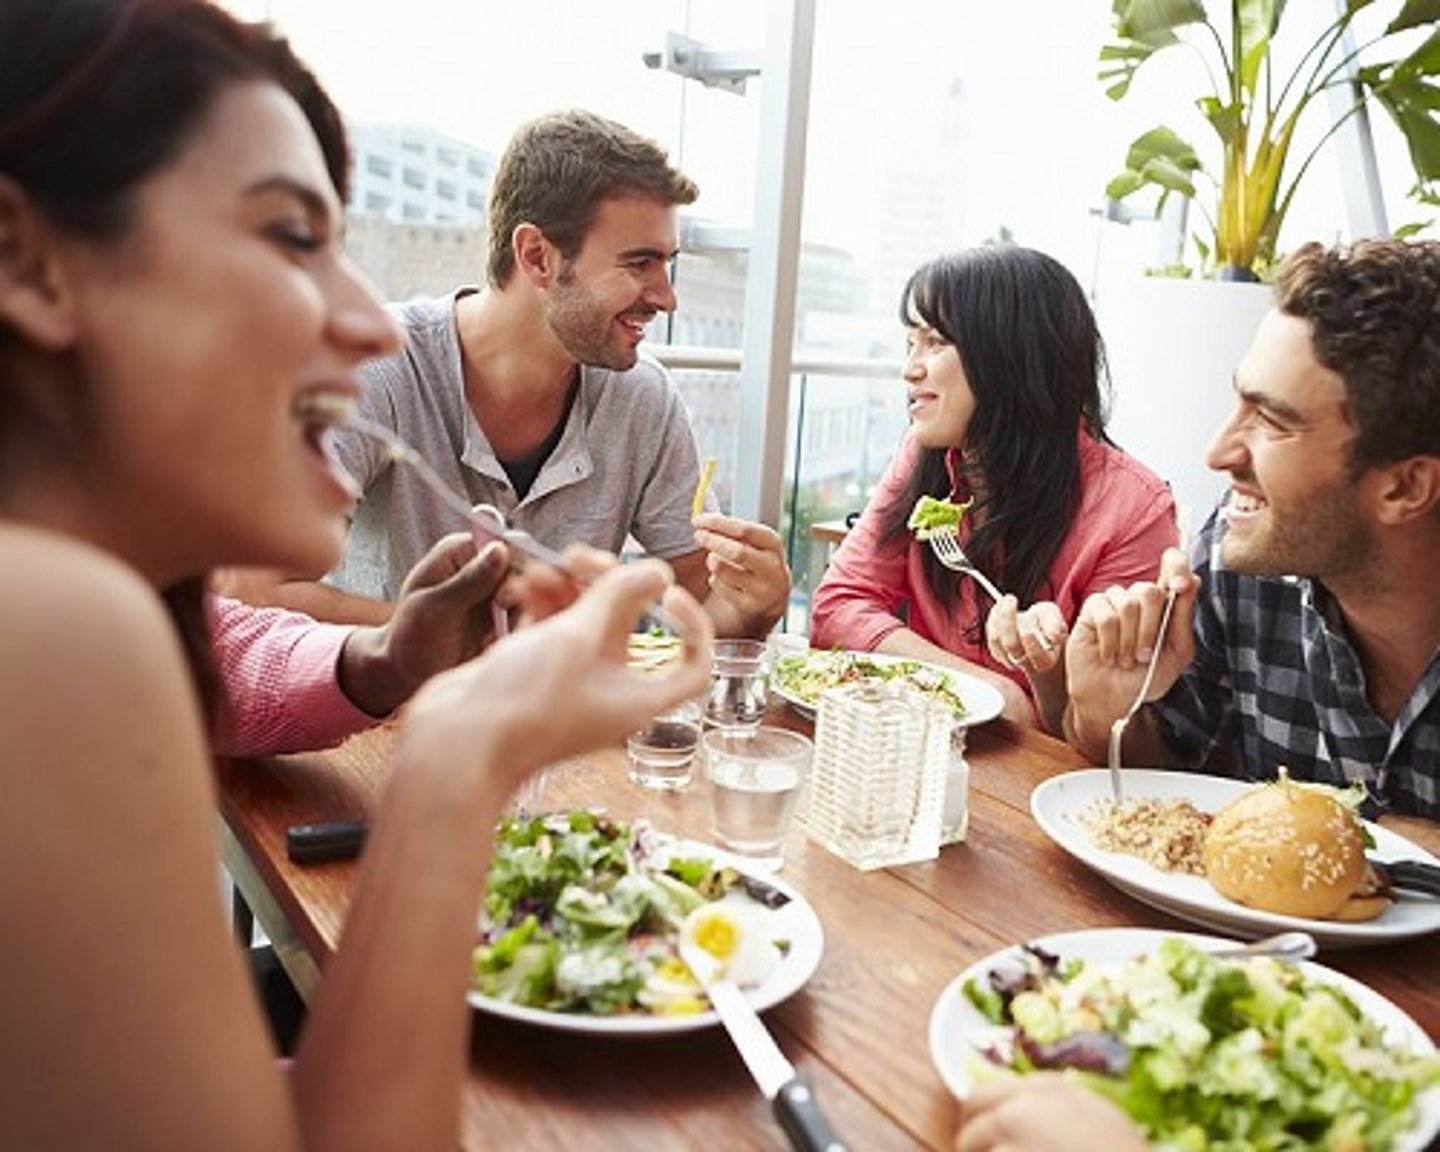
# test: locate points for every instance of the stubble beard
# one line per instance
(585, 331)
(1322, 537)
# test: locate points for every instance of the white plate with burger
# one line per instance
(1066, 808)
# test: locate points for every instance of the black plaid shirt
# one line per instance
(1276, 681)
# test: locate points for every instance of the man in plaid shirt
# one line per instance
(1307, 633)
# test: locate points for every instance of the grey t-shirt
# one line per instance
(626, 465)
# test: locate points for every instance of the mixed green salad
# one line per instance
(804, 676)
(583, 914)
(931, 515)
(1206, 1053)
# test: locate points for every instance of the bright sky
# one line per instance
(880, 83)
(1038, 139)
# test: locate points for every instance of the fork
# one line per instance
(484, 519)
(1117, 729)
(486, 522)
(945, 543)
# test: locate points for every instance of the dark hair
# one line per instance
(96, 96)
(1033, 357)
(1373, 308)
(557, 170)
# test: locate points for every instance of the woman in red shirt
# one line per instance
(1004, 375)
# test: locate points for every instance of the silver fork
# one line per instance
(1117, 729)
(945, 543)
(485, 520)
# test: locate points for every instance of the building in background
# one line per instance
(414, 175)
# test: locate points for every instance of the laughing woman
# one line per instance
(171, 295)
(1004, 380)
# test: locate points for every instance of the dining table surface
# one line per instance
(894, 938)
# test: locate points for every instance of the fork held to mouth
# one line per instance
(485, 521)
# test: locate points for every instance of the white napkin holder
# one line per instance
(879, 777)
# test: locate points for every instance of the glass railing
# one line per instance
(845, 421)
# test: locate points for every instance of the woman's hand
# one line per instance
(564, 685)
(1032, 640)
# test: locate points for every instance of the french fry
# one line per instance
(707, 473)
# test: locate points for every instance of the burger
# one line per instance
(1294, 849)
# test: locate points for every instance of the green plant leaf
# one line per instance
(1145, 20)
(1256, 21)
(1254, 105)
(1123, 185)
(1126, 58)
(1145, 27)
(1408, 91)
(1415, 14)
(1162, 143)
(1160, 158)
(1414, 111)
(1226, 119)
(1165, 173)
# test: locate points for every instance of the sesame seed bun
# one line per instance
(1289, 849)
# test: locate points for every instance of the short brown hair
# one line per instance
(1373, 308)
(556, 171)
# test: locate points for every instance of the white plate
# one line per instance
(982, 701)
(954, 1020)
(1058, 802)
(794, 921)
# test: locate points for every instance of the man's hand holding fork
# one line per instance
(1109, 651)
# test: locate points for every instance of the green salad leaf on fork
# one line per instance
(931, 515)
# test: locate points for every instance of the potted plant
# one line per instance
(1254, 106)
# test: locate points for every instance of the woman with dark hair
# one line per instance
(174, 312)
(1004, 374)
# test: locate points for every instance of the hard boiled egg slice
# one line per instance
(737, 937)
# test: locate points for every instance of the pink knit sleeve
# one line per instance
(278, 681)
(858, 601)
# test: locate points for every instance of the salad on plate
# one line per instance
(584, 914)
(802, 677)
(1205, 1052)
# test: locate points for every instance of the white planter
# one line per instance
(1173, 347)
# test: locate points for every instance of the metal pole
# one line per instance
(1355, 151)
(773, 272)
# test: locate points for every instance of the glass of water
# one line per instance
(755, 780)
(662, 752)
(738, 684)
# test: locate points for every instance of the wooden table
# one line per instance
(894, 939)
(829, 533)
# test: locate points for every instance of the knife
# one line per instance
(1408, 875)
(790, 1095)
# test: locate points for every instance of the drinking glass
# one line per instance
(663, 752)
(755, 779)
(738, 684)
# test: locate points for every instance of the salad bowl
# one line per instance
(959, 1032)
(789, 919)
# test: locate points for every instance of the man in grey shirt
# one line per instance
(531, 394)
